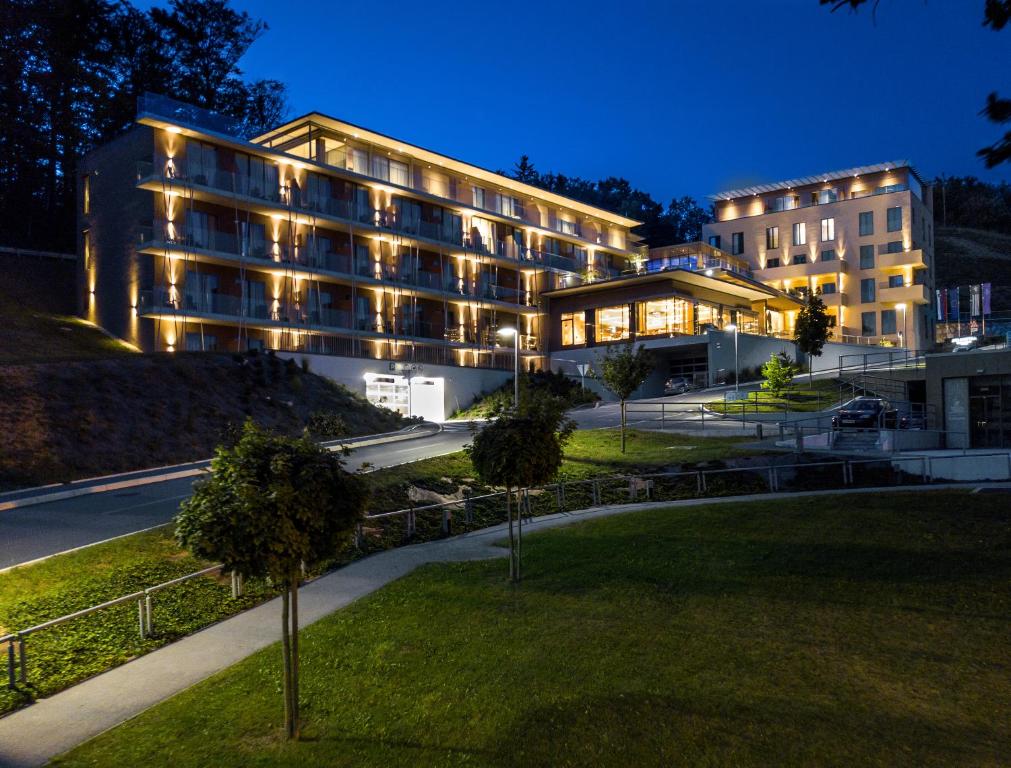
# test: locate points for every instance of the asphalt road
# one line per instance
(32, 532)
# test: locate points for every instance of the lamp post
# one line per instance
(903, 308)
(737, 382)
(507, 332)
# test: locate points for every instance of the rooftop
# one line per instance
(820, 178)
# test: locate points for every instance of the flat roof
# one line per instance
(445, 161)
(818, 178)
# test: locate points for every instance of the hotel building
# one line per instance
(861, 238)
(322, 238)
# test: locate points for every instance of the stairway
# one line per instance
(856, 442)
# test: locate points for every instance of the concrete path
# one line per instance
(36, 734)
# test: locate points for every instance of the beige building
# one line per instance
(861, 238)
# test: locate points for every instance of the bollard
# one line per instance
(758, 430)
(147, 614)
(663, 414)
(445, 520)
(596, 494)
(11, 677)
(698, 483)
(140, 618)
(702, 410)
(468, 508)
(772, 480)
(359, 537)
(24, 658)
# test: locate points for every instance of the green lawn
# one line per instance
(62, 656)
(870, 630)
(32, 336)
(800, 397)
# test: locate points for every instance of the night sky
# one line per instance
(679, 97)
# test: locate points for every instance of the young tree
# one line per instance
(811, 330)
(623, 372)
(520, 450)
(271, 506)
(778, 373)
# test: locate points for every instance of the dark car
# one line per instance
(677, 385)
(865, 413)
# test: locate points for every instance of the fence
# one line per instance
(385, 530)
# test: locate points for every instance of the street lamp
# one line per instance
(737, 378)
(507, 332)
(903, 308)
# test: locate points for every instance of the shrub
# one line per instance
(326, 425)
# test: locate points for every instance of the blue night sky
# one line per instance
(679, 97)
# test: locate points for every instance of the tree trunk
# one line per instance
(286, 661)
(520, 499)
(512, 539)
(622, 426)
(294, 657)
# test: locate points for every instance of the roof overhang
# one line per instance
(819, 178)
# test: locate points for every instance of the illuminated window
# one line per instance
(399, 173)
(573, 328)
(86, 194)
(737, 243)
(478, 197)
(381, 168)
(772, 238)
(827, 230)
(709, 315)
(894, 219)
(86, 240)
(827, 196)
(510, 206)
(800, 233)
(612, 323)
(360, 161)
(664, 317)
(568, 227)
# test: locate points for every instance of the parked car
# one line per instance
(865, 413)
(677, 385)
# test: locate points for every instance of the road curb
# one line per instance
(180, 471)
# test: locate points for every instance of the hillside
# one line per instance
(966, 256)
(35, 336)
(71, 419)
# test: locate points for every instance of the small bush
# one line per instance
(326, 425)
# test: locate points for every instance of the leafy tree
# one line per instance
(520, 450)
(811, 330)
(623, 372)
(778, 372)
(272, 506)
(996, 15)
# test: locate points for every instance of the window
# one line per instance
(800, 258)
(201, 342)
(200, 228)
(895, 219)
(827, 196)
(737, 243)
(888, 324)
(894, 246)
(478, 197)
(772, 238)
(866, 257)
(866, 223)
(664, 316)
(399, 173)
(827, 288)
(828, 254)
(895, 281)
(360, 161)
(787, 203)
(612, 323)
(827, 230)
(573, 328)
(714, 241)
(510, 206)
(567, 227)
(800, 233)
(381, 168)
(201, 162)
(867, 290)
(86, 240)
(868, 324)
(86, 194)
(771, 263)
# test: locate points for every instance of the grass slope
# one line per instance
(966, 256)
(32, 336)
(774, 633)
(83, 418)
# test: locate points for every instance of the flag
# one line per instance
(975, 302)
(953, 304)
(986, 299)
(942, 305)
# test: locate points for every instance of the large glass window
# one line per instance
(772, 238)
(894, 246)
(709, 315)
(737, 243)
(714, 241)
(828, 196)
(868, 324)
(827, 230)
(800, 233)
(612, 323)
(867, 223)
(664, 317)
(866, 257)
(573, 328)
(895, 219)
(478, 197)
(888, 324)
(800, 258)
(399, 173)
(867, 290)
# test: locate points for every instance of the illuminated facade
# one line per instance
(321, 237)
(861, 238)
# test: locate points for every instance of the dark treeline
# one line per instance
(70, 75)
(965, 201)
(679, 222)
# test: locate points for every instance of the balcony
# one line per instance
(912, 259)
(835, 299)
(908, 293)
(808, 269)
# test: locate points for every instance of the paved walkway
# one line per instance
(36, 734)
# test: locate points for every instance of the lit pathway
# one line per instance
(34, 735)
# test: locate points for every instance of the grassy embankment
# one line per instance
(774, 633)
(800, 397)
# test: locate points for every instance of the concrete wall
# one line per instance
(462, 385)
